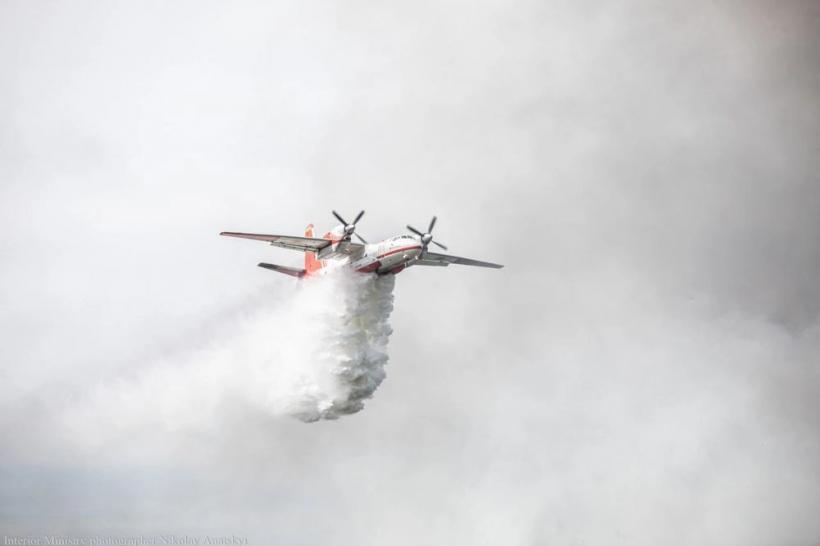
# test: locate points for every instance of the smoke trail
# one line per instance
(345, 316)
(318, 353)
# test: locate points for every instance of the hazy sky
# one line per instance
(643, 371)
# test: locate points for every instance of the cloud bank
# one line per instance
(643, 371)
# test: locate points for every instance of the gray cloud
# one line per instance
(643, 371)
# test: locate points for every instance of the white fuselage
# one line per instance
(390, 256)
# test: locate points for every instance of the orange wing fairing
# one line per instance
(312, 265)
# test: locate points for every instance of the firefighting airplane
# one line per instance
(387, 257)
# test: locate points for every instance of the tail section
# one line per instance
(312, 265)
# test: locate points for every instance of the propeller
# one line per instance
(427, 238)
(350, 228)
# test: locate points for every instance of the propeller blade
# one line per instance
(359, 217)
(414, 230)
(338, 217)
(432, 223)
(362, 238)
(439, 244)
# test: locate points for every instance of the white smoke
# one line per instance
(343, 317)
(319, 353)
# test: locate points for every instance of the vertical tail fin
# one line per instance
(312, 265)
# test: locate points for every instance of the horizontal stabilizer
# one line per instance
(292, 271)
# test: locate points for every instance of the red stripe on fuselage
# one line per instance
(397, 250)
(371, 267)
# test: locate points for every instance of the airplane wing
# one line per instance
(434, 258)
(306, 244)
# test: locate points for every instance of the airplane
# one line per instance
(388, 257)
